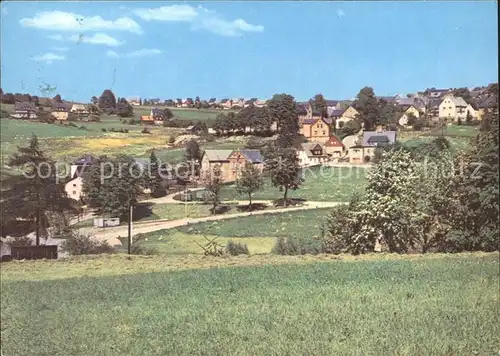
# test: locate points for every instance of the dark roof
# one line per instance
(253, 156)
(224, 100)
(62, 106)
(337, 112)
(85, 159)
(489, 103)
(212, 100)
(373, 138)
(331, 102)
(157, 112)
(25, 106)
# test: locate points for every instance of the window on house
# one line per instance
(324, 133)
(74, 185)
(74, 192)
(315, 132)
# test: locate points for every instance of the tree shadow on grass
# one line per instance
(253, 207)
(289, 202)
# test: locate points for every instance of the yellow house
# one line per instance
(453, 108)
(61, 111)
(349, 114)
(403, 120)
(231, 162)
(317, 129)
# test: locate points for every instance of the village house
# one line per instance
(25, 110)
(238, 102)
(147, 120)
(260, 103)
(312, 154)
(212, 102)
(437, 93)
(79, 109)
(61, 110)
(347, 115)
(334, 147)
(74, 187)
(231, 162)
(453, 108)
(408, 112)
(312, 125)
(364, 148)
(487, 104)
(134, 101)
(250, 102)
(226, 103)
(178, 103)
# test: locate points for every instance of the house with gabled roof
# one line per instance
(231, 162)
(347, 115)
(453, 108)
(226, 103)
(312, 154)
(61, 110)
(363, 149)
(334, 147)
(25, 110)
(260, 103)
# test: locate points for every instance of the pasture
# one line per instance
(320, 184)
(324, 305)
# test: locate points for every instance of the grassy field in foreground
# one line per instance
(293, 223)
(321, 184)
(400, 305)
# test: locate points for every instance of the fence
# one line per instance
(34, 252)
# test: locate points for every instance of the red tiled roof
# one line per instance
(147, 118)
(333, 141)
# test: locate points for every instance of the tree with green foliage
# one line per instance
(213, 183)
(154, 179)
(282, 109)
(464, 93)
(110, 185)
(284, 169)
(107, 100)
(193, 155)
(351, 127)
(168, 114)
(37, 193)
(367, 105)
(57, 99)
(476, 225)
(124, 109)
(249, 181)
(318, 104)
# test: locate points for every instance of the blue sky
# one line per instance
(246, 49)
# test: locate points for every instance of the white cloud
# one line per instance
(168, 13)
(48, 57)
(60, 49)
(199, 18)
(112, 54)
(67, 21)
(144, 52)
(340, 13)
(97, 39)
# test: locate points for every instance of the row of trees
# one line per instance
(250, 119)
(9, 98)
(425, 200)
(109, 104)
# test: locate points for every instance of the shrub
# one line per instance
(459, 121)
(131, 122)
(124, 130)
(146, 130)
(104, 129)
(297, 246)
(82, 244)
(138, 247)
(236, 248)
(72, 124)
(171, 139)
(82, 127)
(4, 114)
(94, 118)
(212, 247)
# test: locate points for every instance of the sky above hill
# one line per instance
(245, 49)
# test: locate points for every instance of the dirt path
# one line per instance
(111, 233)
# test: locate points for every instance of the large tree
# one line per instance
(193, 154)
(57, 99)
(476, 190)
(112, 184)
(367, 105)
(154, 181)
(282, 109)
(37, 193)
(124, 109)
(249, 181)
(283, 166)
(107, 100)
(213, 184)
(319, 104)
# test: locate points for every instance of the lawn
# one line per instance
(321, 184)
(378, 305)
(293, 223)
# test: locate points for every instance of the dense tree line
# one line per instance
(425, 200)
(249, 119)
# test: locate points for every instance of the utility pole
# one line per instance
(130, 227)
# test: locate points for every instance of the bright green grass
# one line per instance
(446, 305)
(293, 223)
(321, 184)
(174, 242)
